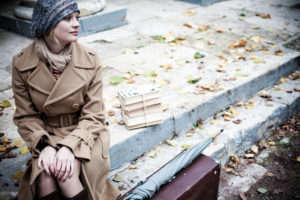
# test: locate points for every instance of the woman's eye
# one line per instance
(67, 18)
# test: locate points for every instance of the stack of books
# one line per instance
(140, 106)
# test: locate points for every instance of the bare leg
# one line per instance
(72, 186)
(45, 184)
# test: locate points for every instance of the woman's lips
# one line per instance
(74, 33)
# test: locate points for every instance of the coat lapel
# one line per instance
(41, 79)
(73, 78)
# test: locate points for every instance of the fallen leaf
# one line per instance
(237, 44)
(221, 70)
(131, 167)
(165, 106)
(185, 146)
(219, 31)
(235, 158)
(255, 27)
(236, 74)
(229, 169)
(249, 155)
(171, 142)
(5, 104)
(115, 80)
(297, 89)
(211, 42)
(270, 174)
(24, 150)
(188, 26)
(181, 62)
(5, 139)
(191, 79)
(272, 143)
(17, 142)
(264, 16)
(269, 104)
(190, 12)
(150, 74)
(8, 155)
(249, 105)
(277, 89)
(262, 190)
(167, 67)
(264, 94)
(189, 134)
(159, 38)
(17, 175)
(256, 39)
(258, 61)
(2, 148)
(242, 15)
(159, 149)
(117, 178)
(153, 155)
(279, 53)
(198, 55)
(254, 149)
(283, 80)
(202, 28)
(293, 76)
(242, 196)
(113, 120)
(121, 187)
(111, 113)
(214, 122)
(129, 51)
(238, 121)
(233, 111)
(129, 80)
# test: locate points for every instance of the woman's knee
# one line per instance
(76, 173)
(45, 181)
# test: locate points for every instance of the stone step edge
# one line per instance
(134, 146)
(235, 140)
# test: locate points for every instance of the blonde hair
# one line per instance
(52, 36)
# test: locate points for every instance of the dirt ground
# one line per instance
(281, 182)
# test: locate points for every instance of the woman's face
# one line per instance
(66, 30)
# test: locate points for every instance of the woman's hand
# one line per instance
(64, 163)
(47, 159)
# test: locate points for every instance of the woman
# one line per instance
(57, 86)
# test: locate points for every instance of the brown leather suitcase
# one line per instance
(198, 181)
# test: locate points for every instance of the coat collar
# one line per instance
(71, 80)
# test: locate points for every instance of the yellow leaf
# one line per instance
(2, 148)
(17, 142)
(153, 155)
(5, 104)
(256, 39)
(112, 120)
(132, 167)
(233, 111)
(267, 52)
(188, 26)
(180, 62)
(255, 27)
(249, 106)
(5, 139)
(257, 61)
(189, 134)
(117, 178)
(249, 155)
(159, 149)
(171, 142)
(283, 80)
(214, 122)
(202, 28)
(17, 175)
(24, 150)
(228, 169)
(190, 12)
(235, 158)
(185, 146)
(272, 143)
(298, 158)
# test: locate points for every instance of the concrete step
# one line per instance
(257, 116)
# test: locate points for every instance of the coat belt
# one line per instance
(61, 120)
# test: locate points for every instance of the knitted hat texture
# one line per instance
(47, 13)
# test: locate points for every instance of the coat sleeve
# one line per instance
(91, 123)
(26, 117)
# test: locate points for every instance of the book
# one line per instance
(142, 110)
(141, 104)
(139, 94)
(146, 118)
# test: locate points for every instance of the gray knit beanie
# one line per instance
(47, 13)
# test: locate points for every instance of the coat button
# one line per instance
(75, 106)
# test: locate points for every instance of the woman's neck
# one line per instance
(54, 47)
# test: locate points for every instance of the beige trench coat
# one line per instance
(68, 111)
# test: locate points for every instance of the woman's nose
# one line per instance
(75, 22)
